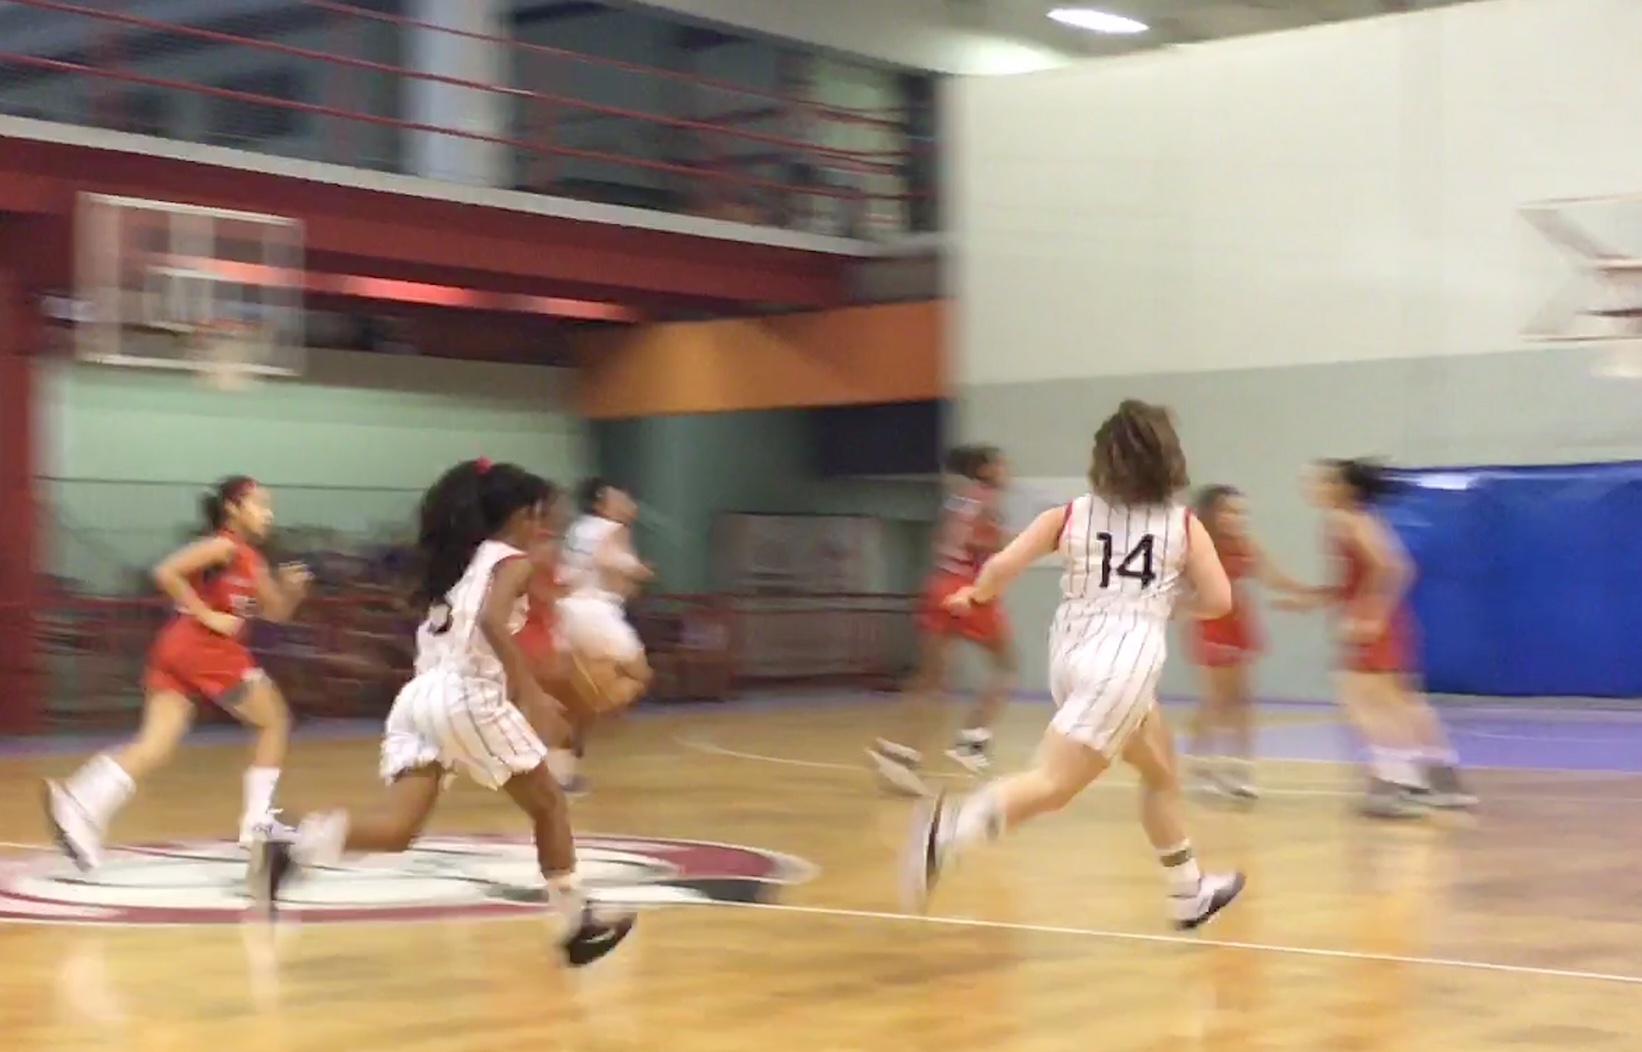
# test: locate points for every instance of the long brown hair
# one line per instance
(1137, 457)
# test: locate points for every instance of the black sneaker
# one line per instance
(1447, 790)
(596, 937)
(1222, 888)
(271, 867)
(921, 860)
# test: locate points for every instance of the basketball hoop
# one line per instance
(224, 353)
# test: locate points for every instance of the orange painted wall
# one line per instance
(857, 355)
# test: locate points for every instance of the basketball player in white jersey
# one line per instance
(601, 572)
(1127, 549)
(473, 704)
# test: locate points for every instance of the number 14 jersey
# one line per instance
(1121, 566)
(1121, 573)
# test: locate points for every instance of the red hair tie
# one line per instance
(482, 465)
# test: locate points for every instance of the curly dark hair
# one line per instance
(1137, 457)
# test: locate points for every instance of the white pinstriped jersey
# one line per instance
(449, 638)
(1122, 569)
(581, 545)
(1122, 563)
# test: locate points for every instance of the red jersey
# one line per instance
(189, 658)
(1234, 637)
(1387, 653)
(231, 587)
(969, 530)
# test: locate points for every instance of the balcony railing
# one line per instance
(325, 81)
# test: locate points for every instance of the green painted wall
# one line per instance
(350, 447)
(687, 470)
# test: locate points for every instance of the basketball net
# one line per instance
(223, 352)
(1620, 303)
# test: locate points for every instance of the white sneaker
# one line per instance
(253, 828)
(1214, 893)
(897, 774)
(72, 828)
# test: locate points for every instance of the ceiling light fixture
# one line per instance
(1087, 18)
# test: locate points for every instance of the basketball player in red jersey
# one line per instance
(218, 583)
(1225, 648)
(1411, 762)
(969, 532)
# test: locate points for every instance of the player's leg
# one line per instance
(1209, 721)
(1436, 757)
(973, 747)
(80, 809)
(894, 755)
(1098, 714)
(587, 934)
(324, 838)
(1194, 896)
(257, 702)
(1238, 725)
(1394, 777)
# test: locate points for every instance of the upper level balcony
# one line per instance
(569, 99)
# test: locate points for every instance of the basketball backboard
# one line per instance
(164, 285)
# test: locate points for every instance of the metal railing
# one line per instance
(346, 656)
(323, 80)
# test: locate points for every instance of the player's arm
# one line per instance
(1273, 577)
(172, 574)
(507, 586)
(278, 595)
(1211, 589)
(1031, 544)
(1389, 570)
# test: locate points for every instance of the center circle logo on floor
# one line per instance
(441, 877)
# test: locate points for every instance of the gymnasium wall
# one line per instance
(1308, 243)
(687, 469)
(349, 447)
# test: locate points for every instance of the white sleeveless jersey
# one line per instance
(1121, 573)
(581, 544)
(449, 639)
(1121, 566)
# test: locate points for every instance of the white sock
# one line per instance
(1440, 756)
(101, 787)
(1184, 878)
(260, 783)
(566, 898)
(1409, 769)
(976, 736)
(561, 763)
(978, 818)
(320, 838)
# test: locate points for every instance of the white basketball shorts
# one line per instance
(443, 718)
(1105, 687)
(597, 627)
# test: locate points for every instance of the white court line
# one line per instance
(1132, 936)
(1193, 940)
(702, 745)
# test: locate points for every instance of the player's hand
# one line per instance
(223, 624)
(542, 711)
(295, 577)
(960, 602)
(1359, 630)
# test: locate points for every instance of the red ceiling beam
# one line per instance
(43, 179)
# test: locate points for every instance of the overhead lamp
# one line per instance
(1095, 21)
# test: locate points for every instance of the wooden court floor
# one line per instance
(769, 855)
